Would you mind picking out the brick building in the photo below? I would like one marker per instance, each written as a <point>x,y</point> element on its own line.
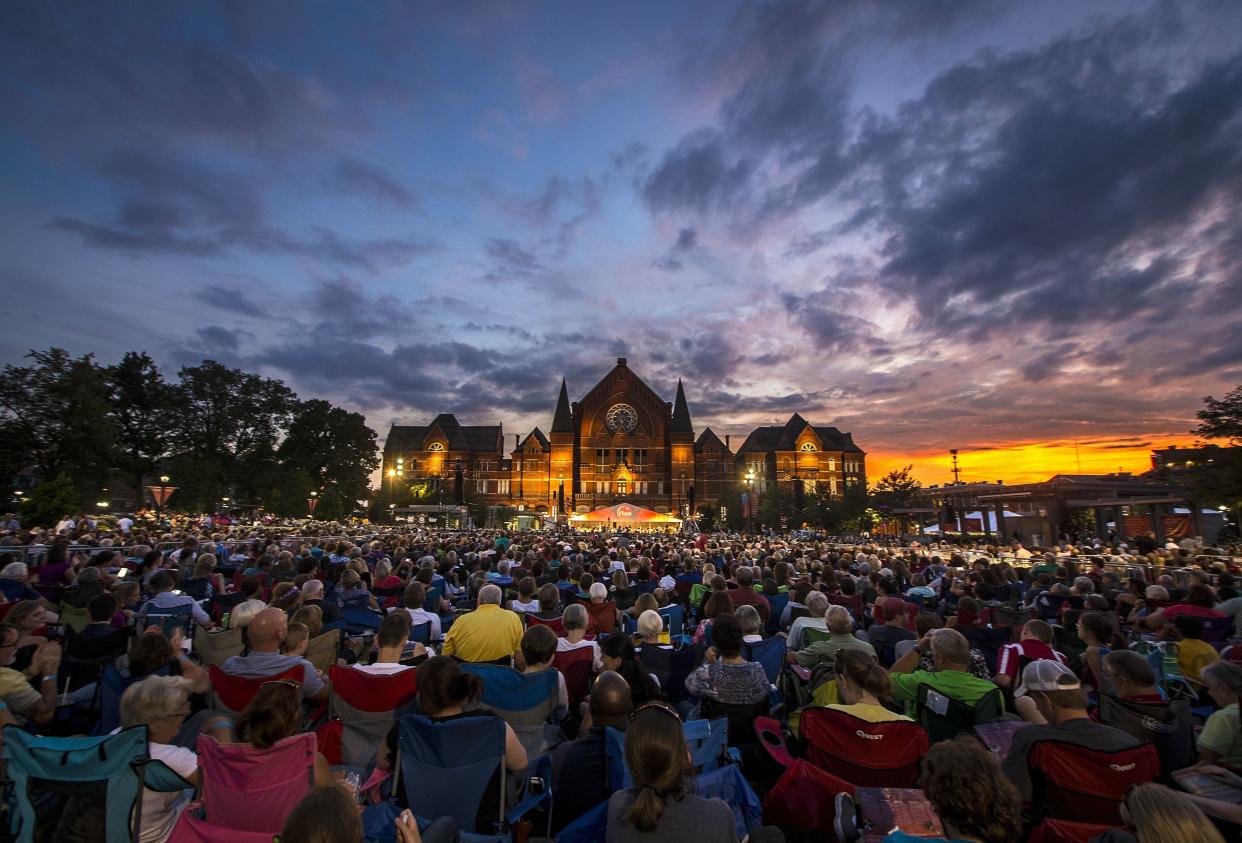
<point>620,442</point>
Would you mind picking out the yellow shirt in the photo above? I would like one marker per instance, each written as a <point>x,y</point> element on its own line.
<point>17,693</point>
<point>1192,656</point>
<point>870,713</point>
<point>484,635</point>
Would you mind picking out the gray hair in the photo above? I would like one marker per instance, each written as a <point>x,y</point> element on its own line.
<point>574,617</point>
<point>817,604</point>
<point>243,613</point>
<point>312,589</point>
<point>1224,673</point>
<point>91,574</point>
<point>650,624</point>
<point>1084,585</point>
<point>950,645</point>
<point>598,589</point>
<point>748,619</point>
<point>382,569</point>
<point>839,620</point>
<point>491,595</point>
<point>153,698</point>
<point>15,571</point>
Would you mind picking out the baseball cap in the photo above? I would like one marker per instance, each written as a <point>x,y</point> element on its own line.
<point>1047,675</point>
<point>894,606</point>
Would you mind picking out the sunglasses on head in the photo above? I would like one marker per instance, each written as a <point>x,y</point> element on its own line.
<point>656,704</point>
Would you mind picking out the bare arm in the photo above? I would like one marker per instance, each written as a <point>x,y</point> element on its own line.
<point>515,753</point>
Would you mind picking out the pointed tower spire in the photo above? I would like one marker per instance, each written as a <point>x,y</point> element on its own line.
<point>681,412</point>
<point>563,421</point>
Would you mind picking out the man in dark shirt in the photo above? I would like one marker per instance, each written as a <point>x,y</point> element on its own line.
<point>884,636</point>
<point>745,594</point>
<point>1053,700</point>
<point>581,765</point>
<point>312,595</point>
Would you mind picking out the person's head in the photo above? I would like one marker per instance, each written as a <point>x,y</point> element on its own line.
<point>1094,628</point>
<point>598,592</point>
<point>394,631</point>
<point>9,636</point>
<point>310,617</point>
<point>149,652</point>
<point>926,622</point>
<point>719,603</point>
<point>610,700</point>
<point>160,703</point>
<point>1037,630</point>
<point>325,815</point>
<point>102,607</point>
<point>1200,595</point>
<point>1054,689</point>
<point>950,649</point>
<point>312,589</point>
<point>574,617</point>
<point>350,580</point>
<point>1130,673</point>
<point>549,597</point>
<point>817,604</point>
<point>1156,592</point>
<point>160,581</point>
<point>15,571</point>
<point>838,620</point>
<point>267,629</point>
<point>895,610</point>
<point>727,636</point>
<point>296,639</point>
<point>490,595</point>
<point>650,625</point>
<point>644,603</point>
<point>443,685</point>
<point>859,675</point>
<point>245,612</point>
<point>127,593</point>
<point>973,798</point>
<point>656,753</point>
<point>1224,682</point>
<point>748,619</point>
<point>274,714</point>
<point>615,650</point>
<point>1160,815</point>
<point>539,647</point>
<point>744,577</point>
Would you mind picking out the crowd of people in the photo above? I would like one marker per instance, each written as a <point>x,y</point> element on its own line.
<point>632,637</point>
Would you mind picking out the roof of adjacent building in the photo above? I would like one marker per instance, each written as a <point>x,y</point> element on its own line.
<point>544,444</point>
<point>460,437</point>
<point>709,437</point>
<point>785,438</point>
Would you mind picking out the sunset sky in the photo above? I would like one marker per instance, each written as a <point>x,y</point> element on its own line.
<point>1007,228</point>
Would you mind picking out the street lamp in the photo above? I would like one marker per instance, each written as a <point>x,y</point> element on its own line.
<point>311,501</point>
<point>161,493</point>
<point>750,497</point>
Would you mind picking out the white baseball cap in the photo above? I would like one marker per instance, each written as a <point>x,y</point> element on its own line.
<point>1047,675</point>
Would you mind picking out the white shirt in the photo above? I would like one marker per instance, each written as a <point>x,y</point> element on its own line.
<point>418,616</point>
<point>160,811</point>
<point>125,524</point>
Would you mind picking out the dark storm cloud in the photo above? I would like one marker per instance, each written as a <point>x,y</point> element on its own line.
<point>231,299</point>
<point>217,337</point>
<point>361,178</point>
<point>826,318</point>
<point>695,176</point>
<point>672,261</point>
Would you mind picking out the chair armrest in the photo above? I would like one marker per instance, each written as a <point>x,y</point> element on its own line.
<point>541,768</point>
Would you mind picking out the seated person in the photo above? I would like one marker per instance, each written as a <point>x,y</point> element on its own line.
<point>1199,603</point>
<point>274,714</point>
<point>816,609</point>
<point>840,637</point>
<point>415,597</point>
<point>924,624</point>
<point>950,653</point>
<point>863,687</point>
<point>884,637</point>
<point>163,600</point>
<point>1220,742</point>
<point>538,654</point>
<point>1193,653</point>
<point>575,622</point>
<point>965,786</point>
<point>725,676</point>
<point>394,648</point>
<point>15,690</point>
<point>351,594</point>
<point>525,601</point>
<point>100,612</point>
<point>1052,698</point>
<point>1131,678</point>
<point>659,806</point>
<point>486,634</point>
<point>1153,813</point>
<point>153,651</point>
<point>297,637</point>
<point>312,595</point>
<point>650,626</point>
<point>752,625</point>
<point>549,602</point>
<point>266,632</point>
<point>1035,642</point>
<point>617,654</point>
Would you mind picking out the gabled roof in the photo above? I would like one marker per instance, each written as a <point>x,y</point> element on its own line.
<point>405,437</point>
<point>681,412</point>
<point>537,434</point>
<point>483,438</point>
<point>708,437</point>
<point>563,420</point>
<point>785,438</point>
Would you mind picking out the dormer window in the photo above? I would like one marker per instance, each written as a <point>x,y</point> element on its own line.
<point>808,446</point>
<point>435,446</point>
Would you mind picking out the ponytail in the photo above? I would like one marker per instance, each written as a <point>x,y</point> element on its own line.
<point>647,809</point>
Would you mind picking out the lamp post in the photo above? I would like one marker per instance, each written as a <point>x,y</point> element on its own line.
<point>392,512</point>
<point>311,501</point>
<point>161,494</point>
<point>750,498</point>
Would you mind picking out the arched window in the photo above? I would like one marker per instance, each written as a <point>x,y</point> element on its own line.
<point>435,446</point>
<point>808,446</point>
<point>832,464</point>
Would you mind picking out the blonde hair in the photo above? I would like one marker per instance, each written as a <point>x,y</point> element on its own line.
<point>153,698</point>
<point>244,612</point>
<point>296,633</point>
<point>1160,815</point>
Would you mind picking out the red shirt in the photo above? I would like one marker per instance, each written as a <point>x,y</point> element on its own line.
<point>1011,655</point>
<point>1189,610</point>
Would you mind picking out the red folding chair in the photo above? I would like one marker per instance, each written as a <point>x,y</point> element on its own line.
<point>603,617</point>
<point>863,753</point>
<point>803,800</point>
<point>557,625</point>
<point>191,829</point>
<point>575,666</point>
<point>1071,782</point>
<point>367,706</point>
<point>250,789</point>
<point>234,693</point>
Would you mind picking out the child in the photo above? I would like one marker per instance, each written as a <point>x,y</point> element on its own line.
<point>296,640</point>
<point>1193,654</point>
<point>538,654</point>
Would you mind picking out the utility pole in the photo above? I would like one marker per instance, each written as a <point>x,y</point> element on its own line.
<point>957,472</point>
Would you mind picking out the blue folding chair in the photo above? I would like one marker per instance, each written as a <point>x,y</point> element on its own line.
<point>116,766</point>
<point>169,620</point>
<point>421,632</point>
<point>445,769</point>
<point>676,619</point>
<point>708,741</point>
<point>112,685</point>
<point>777,604</point>
<point>361,621</point>
<point>526,701</point>
<point>770,653</point>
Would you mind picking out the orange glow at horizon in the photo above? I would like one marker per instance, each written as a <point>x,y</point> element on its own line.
<point>1028,462</point>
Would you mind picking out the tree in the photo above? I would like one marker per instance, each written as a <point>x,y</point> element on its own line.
<point>56,413</point>
<point>228,426</point>
<point>1222,419</point>
<point>330,451</point>
<point>141,407</point>
<point>50,501</point>
<point>896,490</point>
